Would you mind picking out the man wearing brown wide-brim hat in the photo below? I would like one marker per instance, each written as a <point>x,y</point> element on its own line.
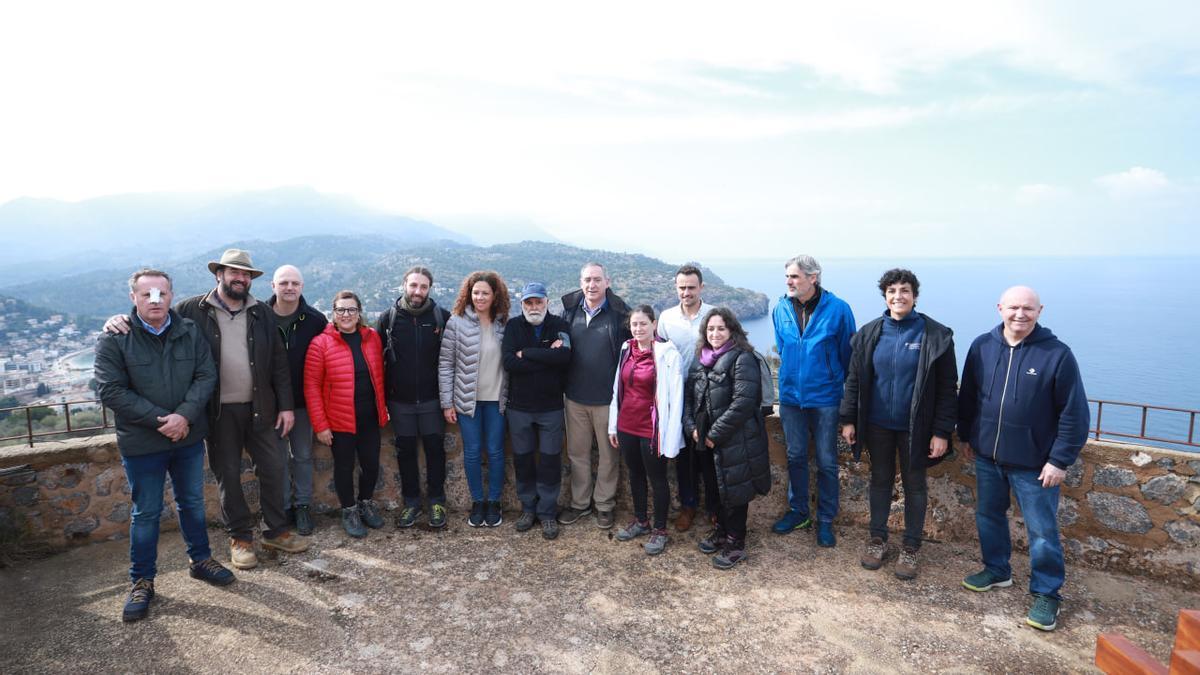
<point>251,408</point>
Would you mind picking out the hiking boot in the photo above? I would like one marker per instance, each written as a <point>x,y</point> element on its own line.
<point>137,603</point>
<point>437,515</point>
<point>352,522</point>
<point>476,517</point>
<point>572,514</point>
<point>825,536</point>
<point>549,529</point>
<point>1044,613</point>
<point>985,581</point>
<point>732,553</point>
<point>211,571</point>
<point>525,522</point>
<point>604,519</point>
<point>369,511</point>
<point>633,530</point>
<point>657,542</point>
<point>872,557</point>
<point>408,517</point>
<point>304,521</point>
<point>493,516</point>
<point>713,542</point>
<point>683,522</point>
<point>286,542</point>
<point>906,566</point>
<point>792,520</point>
<point>241,554</point>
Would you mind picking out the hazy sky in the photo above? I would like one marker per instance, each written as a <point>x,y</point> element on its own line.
<point>850,128</point>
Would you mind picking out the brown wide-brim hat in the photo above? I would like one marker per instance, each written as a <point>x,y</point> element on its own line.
<point>238,259</point>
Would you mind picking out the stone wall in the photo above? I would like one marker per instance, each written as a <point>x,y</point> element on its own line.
<point>1126,507</point>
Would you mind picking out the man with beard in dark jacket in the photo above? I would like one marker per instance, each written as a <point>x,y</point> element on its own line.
<point>412,340</point>
<point>1024,413</point>
<point>298,324</point>
<point>536,351</point>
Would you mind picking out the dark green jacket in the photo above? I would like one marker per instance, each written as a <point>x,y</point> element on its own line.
<point>268,357</point>
<point>141,378</point>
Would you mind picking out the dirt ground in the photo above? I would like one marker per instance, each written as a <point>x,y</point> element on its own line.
<point>467,600</point>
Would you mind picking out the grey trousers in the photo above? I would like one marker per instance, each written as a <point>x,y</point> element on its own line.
<point>234,431</point>
<point>537,442</point>
<point>298,469</point>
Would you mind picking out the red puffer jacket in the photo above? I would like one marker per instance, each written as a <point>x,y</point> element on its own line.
<point>329,379</point>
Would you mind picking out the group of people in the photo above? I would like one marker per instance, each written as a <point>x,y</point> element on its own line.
<point>684,387</point>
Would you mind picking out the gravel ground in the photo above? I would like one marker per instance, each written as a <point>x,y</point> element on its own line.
<point>498,601</point>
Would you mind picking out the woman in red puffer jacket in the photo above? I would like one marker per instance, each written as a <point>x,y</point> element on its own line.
<point>343,389</point>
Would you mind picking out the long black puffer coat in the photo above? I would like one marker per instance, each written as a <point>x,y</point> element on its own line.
<point>723,404</point>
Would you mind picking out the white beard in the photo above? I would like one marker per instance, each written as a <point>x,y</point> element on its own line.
<point>534,319</point>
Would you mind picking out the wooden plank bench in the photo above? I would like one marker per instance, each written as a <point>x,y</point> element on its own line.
<point>1118,655</point>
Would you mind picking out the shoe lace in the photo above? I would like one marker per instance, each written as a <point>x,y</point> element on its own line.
<point>141,590</point>
<point>439,510</point>
<point>211,566</point>
<point>908,557</point>
<point>1043,604</point>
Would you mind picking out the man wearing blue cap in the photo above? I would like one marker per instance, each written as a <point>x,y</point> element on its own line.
<point>536,353</point>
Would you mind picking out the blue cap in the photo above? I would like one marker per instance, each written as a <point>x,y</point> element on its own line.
<point>533,289</point>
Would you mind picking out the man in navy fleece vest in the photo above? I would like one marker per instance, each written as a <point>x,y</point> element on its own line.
<point>1024,413</point>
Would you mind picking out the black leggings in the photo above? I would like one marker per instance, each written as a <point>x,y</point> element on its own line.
<point>730,519</point>
<point>364,444</point>
<point>645,463</point>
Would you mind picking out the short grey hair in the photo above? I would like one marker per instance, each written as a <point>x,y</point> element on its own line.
<point>807,265</point>
<point>593,263</point>
<point>148,272</point>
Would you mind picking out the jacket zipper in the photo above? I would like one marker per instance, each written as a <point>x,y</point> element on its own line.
<point>1003,395</point>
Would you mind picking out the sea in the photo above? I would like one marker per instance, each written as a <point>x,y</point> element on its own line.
<point>1128,320</point>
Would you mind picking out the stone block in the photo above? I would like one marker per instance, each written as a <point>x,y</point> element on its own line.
<point>1166,463</point>
<point>26,495</point>
<point>81,527</point>
<point>105,479</point>
<point>1119,513</point>
<point>1186,532</point>
<point>967,468</point>
<point>322,464</point>
<point>72,504</point>
<point>1113,476</point>
<point>855,487</point>
<point>1068,511</point>
<point>119,513</point>
<point>1164,489</point>
<point>22,478</point>
<point>98,455</point>
<point>210,478</point>
<point>1074,477</point>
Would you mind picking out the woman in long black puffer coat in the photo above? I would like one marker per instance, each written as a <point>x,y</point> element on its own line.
<point>722,413</point>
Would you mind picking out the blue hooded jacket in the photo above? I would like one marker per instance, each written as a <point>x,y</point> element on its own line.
<point>1023,406</point>
<point>812,369</point>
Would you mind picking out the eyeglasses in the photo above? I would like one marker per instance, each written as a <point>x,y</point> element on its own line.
<point>345,311</point>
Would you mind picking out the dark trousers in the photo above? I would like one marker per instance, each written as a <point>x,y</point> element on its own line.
<point>645,463</point>
<point>363,444</point>
<point>730,519</point>
<point>884,446</point>
<point>689,476</point>
<point>410,470</point>
<point>233,431</point>
<point>537,442</point>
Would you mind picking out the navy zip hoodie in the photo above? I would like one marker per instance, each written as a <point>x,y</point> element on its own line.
<point>1023,406</point>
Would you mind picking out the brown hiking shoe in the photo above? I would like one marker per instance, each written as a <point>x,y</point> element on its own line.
<point>872,557</point>
<point>683,522</point>
<point>906,566</point>
<point>286,542</point>
<point>241,554</point>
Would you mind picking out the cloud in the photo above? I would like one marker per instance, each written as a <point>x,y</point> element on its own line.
<point>1136,182</point>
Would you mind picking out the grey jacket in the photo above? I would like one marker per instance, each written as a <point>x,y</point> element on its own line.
<point>458,362</point>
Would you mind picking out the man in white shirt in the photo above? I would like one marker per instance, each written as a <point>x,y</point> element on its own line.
<point>681,326</point>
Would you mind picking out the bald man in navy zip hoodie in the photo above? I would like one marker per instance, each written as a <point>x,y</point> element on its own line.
<point>1024,413</point>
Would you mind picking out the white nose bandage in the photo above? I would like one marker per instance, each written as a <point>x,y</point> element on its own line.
<point>155,296</point>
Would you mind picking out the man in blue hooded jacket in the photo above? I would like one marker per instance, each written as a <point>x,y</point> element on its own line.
<point>1024,413</point>
<point>813,328</point>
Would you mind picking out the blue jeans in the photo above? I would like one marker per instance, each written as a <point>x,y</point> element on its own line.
<point>823,423</point>
<point>1039,506</point>
<point>147,475</point>
<point>486,426</point>
<point>298,466</point>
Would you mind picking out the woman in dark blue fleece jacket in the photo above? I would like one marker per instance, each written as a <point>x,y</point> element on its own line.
<point>900,402</point>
